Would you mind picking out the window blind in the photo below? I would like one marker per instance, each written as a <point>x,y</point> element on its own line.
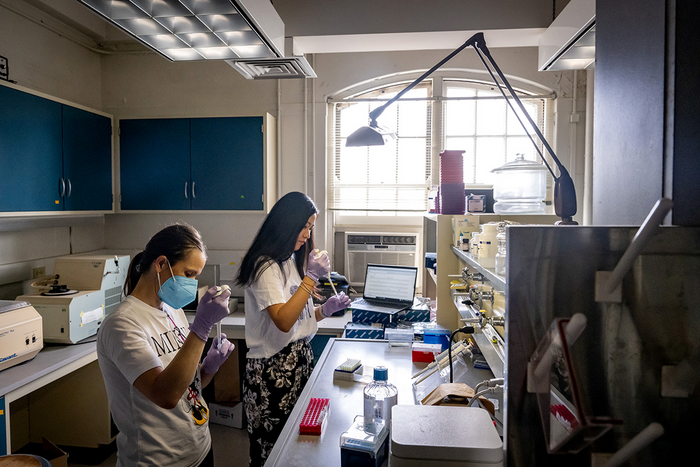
<point>393,177</point>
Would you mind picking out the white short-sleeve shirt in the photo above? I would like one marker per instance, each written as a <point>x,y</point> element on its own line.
<point>134,338</point>
<point>274,287</point>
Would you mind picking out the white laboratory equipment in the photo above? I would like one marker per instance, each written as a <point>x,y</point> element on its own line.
<point>21,335</point>
<point>436,436</point>
<point>86,289</point>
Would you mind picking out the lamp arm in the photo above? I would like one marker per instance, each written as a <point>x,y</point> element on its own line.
<point>480,54</point>
<point>374,114</point>
<point>481,48</point>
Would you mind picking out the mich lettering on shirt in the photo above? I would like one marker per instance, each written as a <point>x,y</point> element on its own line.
<point>169,341</point>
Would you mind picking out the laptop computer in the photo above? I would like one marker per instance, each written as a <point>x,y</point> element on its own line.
<point>388,289</point>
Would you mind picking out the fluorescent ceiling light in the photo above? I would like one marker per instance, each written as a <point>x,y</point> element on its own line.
<point>199,29</point>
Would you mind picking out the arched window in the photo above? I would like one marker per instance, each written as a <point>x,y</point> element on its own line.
<point>455,113</point>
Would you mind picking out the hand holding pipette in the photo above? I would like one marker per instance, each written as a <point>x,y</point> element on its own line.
<point>219,291</point>
<point>335,303</point>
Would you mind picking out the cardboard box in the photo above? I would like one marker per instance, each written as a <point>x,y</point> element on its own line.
<point>464,225</point>
<point>49,451</point>
<point>364,331</point>
<point>226,413</point>
<point>227,381</point>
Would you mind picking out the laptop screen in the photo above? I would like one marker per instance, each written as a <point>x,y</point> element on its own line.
<point>390,282</point>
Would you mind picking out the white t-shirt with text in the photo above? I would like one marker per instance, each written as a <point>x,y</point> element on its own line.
<point>133,339</point>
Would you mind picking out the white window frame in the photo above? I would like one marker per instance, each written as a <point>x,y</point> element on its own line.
<point>525,90</point>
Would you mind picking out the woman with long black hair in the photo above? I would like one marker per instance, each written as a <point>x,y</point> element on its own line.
<point>279,273</point>
<point>149,356</point>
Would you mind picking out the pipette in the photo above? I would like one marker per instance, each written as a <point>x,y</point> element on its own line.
<point>318,255</point>
<point>457,350</point>
<point>219,291</point>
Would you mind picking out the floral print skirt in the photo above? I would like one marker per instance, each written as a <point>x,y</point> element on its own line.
<point>271,388</point>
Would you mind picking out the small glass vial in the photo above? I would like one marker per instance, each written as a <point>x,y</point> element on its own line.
<point>501,254</point>
<point>380,396</point>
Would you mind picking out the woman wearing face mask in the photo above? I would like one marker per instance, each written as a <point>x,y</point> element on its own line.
<point>279,272</point>
<point>150,359</point>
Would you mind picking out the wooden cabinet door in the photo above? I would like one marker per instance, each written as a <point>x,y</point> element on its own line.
<point>155,164</point>
<point>227,163</point>
<point>87,160</point>
<point>30,152</point>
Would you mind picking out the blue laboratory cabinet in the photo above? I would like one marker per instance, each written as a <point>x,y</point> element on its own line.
<point>218,163</point>
<point>53,157</point>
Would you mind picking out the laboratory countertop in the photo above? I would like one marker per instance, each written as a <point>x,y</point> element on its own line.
<point>346,398</point>
<point>234,324</point>
<point>51,362</point>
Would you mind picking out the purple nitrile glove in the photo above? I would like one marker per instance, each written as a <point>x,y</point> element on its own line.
<point>217,355</point>
<point>319,265</point>
<point>335,303</point>
<point>212,308</point>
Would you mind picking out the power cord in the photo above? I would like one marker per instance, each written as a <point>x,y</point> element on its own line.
<point>468,329</point>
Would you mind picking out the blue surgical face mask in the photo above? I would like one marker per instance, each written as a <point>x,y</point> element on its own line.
<point>177,291</point>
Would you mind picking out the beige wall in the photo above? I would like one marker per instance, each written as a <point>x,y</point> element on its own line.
<point>146,85</point>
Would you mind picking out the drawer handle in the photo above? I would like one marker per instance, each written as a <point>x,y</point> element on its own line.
<point>69,188</point>
<point>186,183</point>
<point>193,195</point>
<point>61,188</point>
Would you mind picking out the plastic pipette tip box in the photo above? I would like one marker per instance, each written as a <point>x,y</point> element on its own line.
<point>347,370</point>
<point>314,417</point>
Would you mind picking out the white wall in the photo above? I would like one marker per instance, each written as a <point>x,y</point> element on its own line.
<point>143,85</point>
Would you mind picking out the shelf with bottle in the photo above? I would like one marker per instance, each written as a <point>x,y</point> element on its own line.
<point>497,281</point>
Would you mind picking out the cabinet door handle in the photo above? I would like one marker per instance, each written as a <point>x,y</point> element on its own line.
<point>61,188</point>
<point>186,183</point>
<point>193,195</point>
<point>69,188</point>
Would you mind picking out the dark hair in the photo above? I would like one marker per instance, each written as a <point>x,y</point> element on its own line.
<point>278,236</point>
<point>174,242</point>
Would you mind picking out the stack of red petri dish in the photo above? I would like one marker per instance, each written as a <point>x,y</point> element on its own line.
<point>452,182</point>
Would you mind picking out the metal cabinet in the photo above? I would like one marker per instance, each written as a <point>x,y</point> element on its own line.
<point>53,156</point>
<point>30,152</point>
<point>218,163</point>
<point>87,160</point>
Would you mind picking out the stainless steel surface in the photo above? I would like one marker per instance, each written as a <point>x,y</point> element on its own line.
<point>618,359</point>
<point>498,282</point>
<point>346,399</point>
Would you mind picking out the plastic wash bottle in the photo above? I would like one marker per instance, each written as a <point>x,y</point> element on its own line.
<point>380,396</point>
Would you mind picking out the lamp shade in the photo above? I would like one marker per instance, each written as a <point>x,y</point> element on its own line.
<point>369,136</point>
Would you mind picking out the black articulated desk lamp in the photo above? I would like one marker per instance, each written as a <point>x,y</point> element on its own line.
<point>564,191</point>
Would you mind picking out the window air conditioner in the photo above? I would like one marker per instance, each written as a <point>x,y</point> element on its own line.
<point>400,249</point>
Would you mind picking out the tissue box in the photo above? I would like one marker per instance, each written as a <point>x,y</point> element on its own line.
<point>364,331</point>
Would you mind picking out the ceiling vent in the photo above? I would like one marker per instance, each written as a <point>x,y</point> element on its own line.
<point>274,68</point>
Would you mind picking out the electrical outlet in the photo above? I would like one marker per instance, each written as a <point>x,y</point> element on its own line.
<point>38,272</point>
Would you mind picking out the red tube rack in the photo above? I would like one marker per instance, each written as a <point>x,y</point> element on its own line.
<point>314,417</point>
